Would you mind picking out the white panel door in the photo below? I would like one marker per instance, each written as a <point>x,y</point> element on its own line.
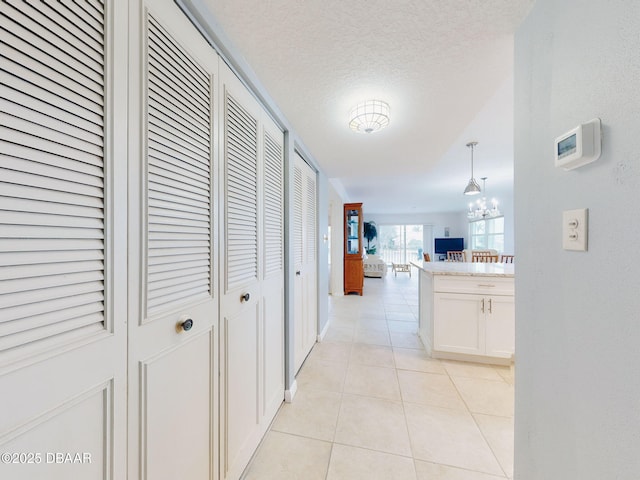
<point>63,160</point>
<point>252,276</point>
<point>305,259</point>
<point>273,268</point>
<point>241,305</point>
<point>172,266</point>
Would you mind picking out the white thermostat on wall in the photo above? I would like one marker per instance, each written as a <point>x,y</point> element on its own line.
<point>579,146</point>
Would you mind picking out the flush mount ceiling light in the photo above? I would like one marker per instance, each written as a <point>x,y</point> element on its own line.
<point>472,187</point>
<point>369,116</point>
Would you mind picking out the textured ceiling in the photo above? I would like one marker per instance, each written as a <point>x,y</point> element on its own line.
<point>444,66</point>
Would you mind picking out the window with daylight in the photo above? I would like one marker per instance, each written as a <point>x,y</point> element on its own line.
<point>487,234</point>
<point>400,243</point>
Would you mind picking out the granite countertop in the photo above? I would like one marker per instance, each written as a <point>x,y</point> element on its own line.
<point>464,268</point>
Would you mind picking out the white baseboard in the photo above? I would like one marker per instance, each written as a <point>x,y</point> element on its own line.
<point>320,336</point>
<point>289,394</point>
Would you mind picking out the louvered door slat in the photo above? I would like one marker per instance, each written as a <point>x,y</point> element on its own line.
<point>18,287</point>
<point>168,78</point>
<point>18,273</point>
<point>241,162</point>
<point>184,63</point>
<point>164,110</point>
<point>26,81</point>
<point>34,206</point>
<point>34,111</point>
<point>38,244</point>
<point>62,26</point>
<point>179,175</point>
<point>68,8</point>
<point>159,180</point>
<point>179,271</point>
<point>52,232</point>
<point>88,9</point>
<point>56,182</point>
<point>33,193</point>
<point>63,74</point>
<point>297,216</point>
<point>72,175</point>
<point>166,153</point>
<point>39,158</point>
<point>162,93</point>
<point>273,205</point>
<point>46,333</point>
<point>14,259</point>
<point>310,211</point>
<point>29,24</point>
<point>18,299</point>
<point>157,271</point>
<point>191,137</point>
<point>170,210</point>
<point>45,308</point>
<point>44,132</point>
<point>176,171</point>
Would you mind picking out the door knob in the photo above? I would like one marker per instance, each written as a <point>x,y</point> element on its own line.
<point>185,325</point>
<point>298,272</point>
<point>245,297</point>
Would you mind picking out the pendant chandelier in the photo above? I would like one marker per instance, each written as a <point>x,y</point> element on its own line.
<point>472,187</point>
<point>369,116</point>
<point>481,209</point>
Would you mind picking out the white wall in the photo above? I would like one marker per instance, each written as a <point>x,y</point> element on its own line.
<point>578,313</point>
<point>336,220</point>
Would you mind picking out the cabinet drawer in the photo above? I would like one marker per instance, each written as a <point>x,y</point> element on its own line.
<point>477,284</point>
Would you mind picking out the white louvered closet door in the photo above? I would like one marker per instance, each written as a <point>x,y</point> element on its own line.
<point>173,298</point>
<point>62,253</point>
<point>252,273</point>
<point>273,270</point>
<point>305,259</point>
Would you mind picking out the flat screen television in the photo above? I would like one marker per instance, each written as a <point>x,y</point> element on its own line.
<point>450,244</point>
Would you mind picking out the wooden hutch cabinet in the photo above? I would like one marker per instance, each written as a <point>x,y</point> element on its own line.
<point>353,267</point>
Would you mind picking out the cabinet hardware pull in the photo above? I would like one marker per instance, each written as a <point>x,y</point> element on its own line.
<point>486,285</point>
<point>482,308</point>
<point>490,306</point>
<point>184,325</point>
<point>245,297</point>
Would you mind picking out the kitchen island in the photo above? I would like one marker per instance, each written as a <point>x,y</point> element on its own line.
<point>467,311</point>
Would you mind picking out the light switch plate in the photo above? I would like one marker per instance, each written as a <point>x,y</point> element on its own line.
<point>575,229</point>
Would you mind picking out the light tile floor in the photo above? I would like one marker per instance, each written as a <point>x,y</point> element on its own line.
<point>372,405</point>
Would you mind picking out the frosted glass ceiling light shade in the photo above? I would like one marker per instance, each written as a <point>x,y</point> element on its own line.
<point>472,187</point>
<point>369,116</point>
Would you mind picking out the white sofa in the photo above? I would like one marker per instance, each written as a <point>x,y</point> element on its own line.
<point>374,266</point>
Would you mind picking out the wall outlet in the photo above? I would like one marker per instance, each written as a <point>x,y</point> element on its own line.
<point>575,229</point>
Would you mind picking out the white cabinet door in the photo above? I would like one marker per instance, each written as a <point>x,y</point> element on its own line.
<point>459,323</point>
<point>173,300</point>
<point>63,160</point>
<point>500,326</point>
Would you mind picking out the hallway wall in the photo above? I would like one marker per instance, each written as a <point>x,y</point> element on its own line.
<point>577,320</point>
